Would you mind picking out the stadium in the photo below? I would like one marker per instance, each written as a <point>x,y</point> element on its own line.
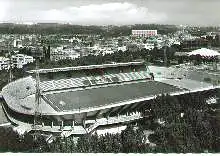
<point>76,100</point>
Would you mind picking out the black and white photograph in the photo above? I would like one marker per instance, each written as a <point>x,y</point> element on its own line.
<point>110,76</point>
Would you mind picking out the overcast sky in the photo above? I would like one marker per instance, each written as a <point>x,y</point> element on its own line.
<point>119,12</point>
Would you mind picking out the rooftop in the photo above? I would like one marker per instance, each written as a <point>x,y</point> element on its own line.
<point>86,67</point>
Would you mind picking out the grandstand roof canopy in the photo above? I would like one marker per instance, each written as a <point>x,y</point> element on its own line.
<point>86,67</point>
<point>204,52</point>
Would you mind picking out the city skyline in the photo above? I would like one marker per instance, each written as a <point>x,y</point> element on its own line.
<point>111,12</point>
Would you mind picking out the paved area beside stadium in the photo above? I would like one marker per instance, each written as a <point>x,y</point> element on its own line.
<point>73,100</point>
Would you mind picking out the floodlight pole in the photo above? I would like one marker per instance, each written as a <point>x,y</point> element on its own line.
<point>10,63</point>
<point>37,95</point>
<point>165,53</point>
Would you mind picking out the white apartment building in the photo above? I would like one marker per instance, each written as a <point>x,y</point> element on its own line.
<point>19,60</point>
<point>123,48</point>
<point>17,43</point>
<point>4,63</point>
<point>62,54</point>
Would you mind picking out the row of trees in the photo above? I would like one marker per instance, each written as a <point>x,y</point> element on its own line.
<point>12,142</point>
<point>107,31</point>
<point>190,125</point>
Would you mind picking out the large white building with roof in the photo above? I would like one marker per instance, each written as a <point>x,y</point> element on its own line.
<point>144,33</point>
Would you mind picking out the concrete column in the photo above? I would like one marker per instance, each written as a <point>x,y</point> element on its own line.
<point>84,123</point>
<point>214,66</point>
<point>62,124</point>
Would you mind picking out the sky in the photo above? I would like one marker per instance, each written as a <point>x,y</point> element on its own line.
<point>112,12</point>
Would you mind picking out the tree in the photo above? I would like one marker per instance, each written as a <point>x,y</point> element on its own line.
<point>128,139</point>
<point>187,125</point>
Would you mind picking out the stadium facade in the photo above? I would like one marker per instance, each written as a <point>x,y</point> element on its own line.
<point>76,100</point>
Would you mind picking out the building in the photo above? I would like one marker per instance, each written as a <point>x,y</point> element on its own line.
<point>123,48</point>
<point>192,44</point>
<point>144,33</point>
<point>132,47</point>
<point>19,60</point>
<point>4,63</point>
<point>17,43</point>
<point>37,52</point>
<point>61,53</point>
